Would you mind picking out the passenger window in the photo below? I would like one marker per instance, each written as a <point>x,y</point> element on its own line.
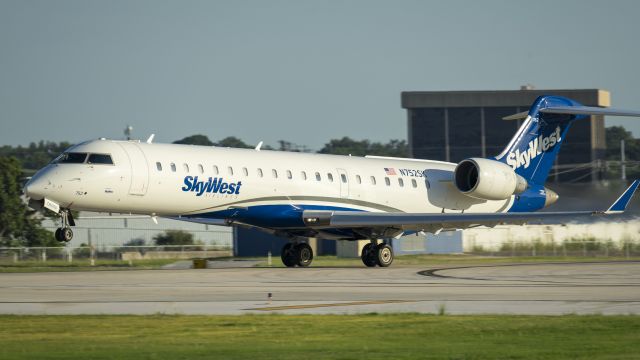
<point>230,169</point>
<point>274,172</point>
<point>215,170</point>
<point>245,171</point>
<point>344,178</point>
<point>200,168</point>
<point>373,180</point>
<point>387,181</point>
<point>289,174</point>
<point>159,166</point>
<point>330,177</point>
<point>186,167</point>
<point>318,176</point>
<point>304,175</point>
<point>414,183</point>
<point>400,182</point>
<point>358,179</point>
<point>71,158</point>
<point>260,172</point>
<point>100,159</point>
<point>173,167</point>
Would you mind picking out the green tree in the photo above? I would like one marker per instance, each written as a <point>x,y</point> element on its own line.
<point>195,140</point>
<point>346,146</point>
<point>19,226</point>
<point>233,142</point>
<point>174,237</point>
<point>35,156</point>
<point>614,135</point>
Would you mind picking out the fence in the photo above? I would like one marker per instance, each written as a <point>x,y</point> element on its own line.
<point>116,253</point>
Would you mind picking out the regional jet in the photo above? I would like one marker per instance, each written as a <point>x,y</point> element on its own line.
<point>303,195</point>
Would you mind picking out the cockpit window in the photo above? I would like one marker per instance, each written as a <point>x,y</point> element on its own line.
<point>100,159</point>
<point>71,158</point>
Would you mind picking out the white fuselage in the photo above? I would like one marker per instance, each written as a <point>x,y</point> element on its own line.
<point>160,179</point>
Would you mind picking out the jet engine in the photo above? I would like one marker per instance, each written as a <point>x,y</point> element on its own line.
<point>488,179</point>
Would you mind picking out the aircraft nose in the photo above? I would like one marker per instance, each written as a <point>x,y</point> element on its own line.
<point>36,187</point>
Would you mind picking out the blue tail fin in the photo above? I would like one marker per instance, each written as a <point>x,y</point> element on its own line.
<point>533,149</point>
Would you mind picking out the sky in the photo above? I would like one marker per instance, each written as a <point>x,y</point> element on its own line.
<point>300,71</point>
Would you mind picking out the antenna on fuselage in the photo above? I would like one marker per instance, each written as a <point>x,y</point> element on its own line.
<point>150,139</point>
<point>259,146</point>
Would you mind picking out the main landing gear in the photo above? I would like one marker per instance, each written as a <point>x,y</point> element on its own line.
<point>377,254</point>
<point>64,233</point>
<point>299,254</point>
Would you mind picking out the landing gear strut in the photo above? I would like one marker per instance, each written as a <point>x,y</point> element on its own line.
<point>377,254</point>
<point>64,233</point>
<point>297,254</point>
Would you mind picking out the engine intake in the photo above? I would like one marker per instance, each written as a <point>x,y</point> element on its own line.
<point>488,179</point>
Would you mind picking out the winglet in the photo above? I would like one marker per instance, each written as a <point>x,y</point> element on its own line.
<point>621,204</point>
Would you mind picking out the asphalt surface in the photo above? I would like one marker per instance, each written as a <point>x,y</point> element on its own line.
<point>539,289</point>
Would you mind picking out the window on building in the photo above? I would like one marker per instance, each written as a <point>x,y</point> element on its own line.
<point>318,176</point>
<point>373,180</point>
<point>245,171</point>
<point>173,167</point>
<point>303,175</point>
<point>200,168</point>
<point>387,181</point>
<point>159,166</point>
<point>414,183</point>
<point>289,174</point>
<point>400,182</point>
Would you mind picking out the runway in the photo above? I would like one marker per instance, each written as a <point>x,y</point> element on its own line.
<point>537,289</point>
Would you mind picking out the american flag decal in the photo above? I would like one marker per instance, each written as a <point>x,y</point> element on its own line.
<point>390,171</point>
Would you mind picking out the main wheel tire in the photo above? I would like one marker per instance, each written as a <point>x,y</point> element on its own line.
<point>289,255</point>
<point>66,234</point>
<point>58,235</point>
<point>368,257</point>
<point>305,254</point>
<point>384,255</point>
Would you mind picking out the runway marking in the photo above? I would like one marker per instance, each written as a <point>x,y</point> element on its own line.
<point>313,306</point>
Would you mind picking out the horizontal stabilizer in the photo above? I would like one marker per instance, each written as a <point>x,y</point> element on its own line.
<point>621,204</point>
<point>588,110</point>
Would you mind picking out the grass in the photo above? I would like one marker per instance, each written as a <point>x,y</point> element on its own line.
<point>81,265</point>
<point>373,336</point>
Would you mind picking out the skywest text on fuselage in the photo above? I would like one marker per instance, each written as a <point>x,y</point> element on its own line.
<point>213,185</point>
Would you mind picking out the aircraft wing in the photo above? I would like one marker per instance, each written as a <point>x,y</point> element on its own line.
<point>435,222</point>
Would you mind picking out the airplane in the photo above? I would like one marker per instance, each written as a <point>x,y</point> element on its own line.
<point>302,195</point>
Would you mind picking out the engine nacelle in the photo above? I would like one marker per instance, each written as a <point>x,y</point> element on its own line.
<point>488,179</point>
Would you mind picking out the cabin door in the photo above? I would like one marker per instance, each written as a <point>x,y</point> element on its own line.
<point>139,168</point>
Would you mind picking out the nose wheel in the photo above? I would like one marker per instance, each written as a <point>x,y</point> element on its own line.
<point>64,233</point>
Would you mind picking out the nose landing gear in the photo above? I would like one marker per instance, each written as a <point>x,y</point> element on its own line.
<point>64,233</point>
